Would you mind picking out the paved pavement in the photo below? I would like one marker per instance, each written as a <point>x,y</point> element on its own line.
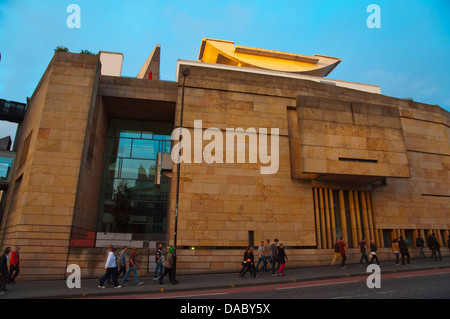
<point>58,289</point>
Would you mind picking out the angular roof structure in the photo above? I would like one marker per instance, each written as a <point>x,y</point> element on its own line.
<point>225,52</point>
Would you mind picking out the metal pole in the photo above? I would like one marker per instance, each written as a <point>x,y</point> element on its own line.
<point>174,270</point>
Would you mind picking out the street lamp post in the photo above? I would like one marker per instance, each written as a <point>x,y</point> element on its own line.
<point>186,71</point>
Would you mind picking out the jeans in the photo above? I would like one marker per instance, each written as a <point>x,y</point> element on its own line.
<point>344,258</point>
<point>158,269</point>
<point>421,254</point>
<point>364,257</point>
<point>267,258</point>
<point>263,267</point>
<point>131,269</point>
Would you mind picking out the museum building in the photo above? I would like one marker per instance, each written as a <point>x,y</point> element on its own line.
<point>95,163</point>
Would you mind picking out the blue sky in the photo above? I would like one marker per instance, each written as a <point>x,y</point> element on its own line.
<point>407,57</point>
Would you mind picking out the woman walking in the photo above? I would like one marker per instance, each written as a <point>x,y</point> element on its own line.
<point>396,251</point>
<point>282,260</point>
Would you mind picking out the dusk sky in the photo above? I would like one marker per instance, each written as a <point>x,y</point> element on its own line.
<point>407,56</point>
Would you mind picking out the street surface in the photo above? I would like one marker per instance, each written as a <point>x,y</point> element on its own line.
<point>428,284</point>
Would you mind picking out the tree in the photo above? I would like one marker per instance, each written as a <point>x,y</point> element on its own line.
<point>121,214</point>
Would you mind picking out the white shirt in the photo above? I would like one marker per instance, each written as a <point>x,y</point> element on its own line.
<point>111,261</point>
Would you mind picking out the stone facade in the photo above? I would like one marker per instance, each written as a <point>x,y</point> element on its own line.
<point>401,186</point>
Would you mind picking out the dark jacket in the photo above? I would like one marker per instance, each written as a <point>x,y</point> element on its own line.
<point>403,247</point>
<point>4,265</point>
<point>281,255</point>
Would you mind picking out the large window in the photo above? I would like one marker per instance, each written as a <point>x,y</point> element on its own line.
<point>131,151</point>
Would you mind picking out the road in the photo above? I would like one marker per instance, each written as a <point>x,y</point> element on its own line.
<point>411,285</point>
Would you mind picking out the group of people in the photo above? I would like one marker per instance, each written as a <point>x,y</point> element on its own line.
<point>116,265</point>
<point>9,275</point>
<point>433,244</point>
<point>267,253</point>
<point>399,247</point>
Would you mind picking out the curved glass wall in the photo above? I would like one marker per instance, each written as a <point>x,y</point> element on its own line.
<point>130,156</point>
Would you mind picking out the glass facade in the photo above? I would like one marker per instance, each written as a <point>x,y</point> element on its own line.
<point>5,167</point>
<point>131,151</point>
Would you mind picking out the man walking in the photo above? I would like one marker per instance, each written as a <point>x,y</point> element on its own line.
<point>435,247</point>
<point>159,268</point>
<point>363,251</point>
<point>275,262</point>
<point>111,269</point>
<point>123,262</point>
<point>403,246</point>
<point>420,243</point>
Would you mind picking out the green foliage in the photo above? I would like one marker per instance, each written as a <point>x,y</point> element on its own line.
<point>121,215</point>
<point>61,48</point>
<point>87,52</point>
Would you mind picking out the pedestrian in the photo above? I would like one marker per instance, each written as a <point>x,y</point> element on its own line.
<point>168,267</point>
<point>4,270</point>
<point>431,246</point>
<point>282,260</point>
<point>436,247</point>
<point>122,261</point>
<point>250,263</point>
<point>373,252</point>
<point>337,254</point>
<point>420,243</point>
<point>403,246</point>
<point>267,254</point>
<point>275,262</point>
<point>14,263</point>
<point>244,261</point>
<point>111,269</point>
<point>396,250</point>
<point>132,267</point>
<point>448,242</point>
<point>343,252</point>
<point>159,263</point>
<point>363,251</point>
<point>260,257</point>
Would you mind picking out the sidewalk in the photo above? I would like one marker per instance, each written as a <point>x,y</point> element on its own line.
<point>58,288</point>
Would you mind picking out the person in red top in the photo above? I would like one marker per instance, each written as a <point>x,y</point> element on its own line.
<point>342,251</point>
<point>14,262</point>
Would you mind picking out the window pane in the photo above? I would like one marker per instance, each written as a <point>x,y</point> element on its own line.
<point>145,149</point>
<point>118,147</point>
<point>112,168</point>
<point>137,169</point>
